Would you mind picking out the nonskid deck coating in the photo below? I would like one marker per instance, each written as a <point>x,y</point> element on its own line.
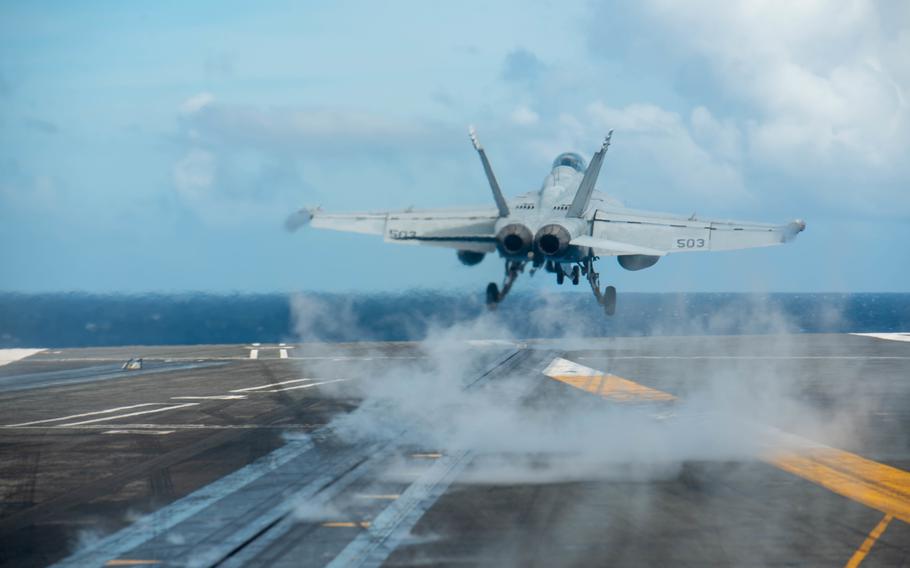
<point>67,485</point>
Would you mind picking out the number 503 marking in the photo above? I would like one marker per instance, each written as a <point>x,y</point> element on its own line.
<point>690,243</point>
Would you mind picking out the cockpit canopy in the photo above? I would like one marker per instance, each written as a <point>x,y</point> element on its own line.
<point>570,159</point>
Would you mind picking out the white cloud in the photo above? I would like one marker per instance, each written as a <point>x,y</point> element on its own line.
<point>680,164</point>
<point>196,103</point>
<point>194,174</point>
<point>824,77</point>
<point>524,116</point>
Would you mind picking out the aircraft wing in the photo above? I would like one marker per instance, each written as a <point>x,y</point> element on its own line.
<point>625,231</point>
<point>462,229</point>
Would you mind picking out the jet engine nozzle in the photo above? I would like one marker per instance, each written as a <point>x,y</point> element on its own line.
<point>514,239</point>
<point>553,240</point>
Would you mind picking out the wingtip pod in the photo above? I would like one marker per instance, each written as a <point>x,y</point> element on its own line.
<point>298,219</point>
<point>472,133</point>
<point>794,228</point>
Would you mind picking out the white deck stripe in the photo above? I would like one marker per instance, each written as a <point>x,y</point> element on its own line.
<point>166,518</point>
<point>116,416</point>
<point>311,385</point>
<point>283,353</point>
<point>9,355</point>
<point>141,432</point>
<point>213,397</point>
<point>888,336</point>
<point>70,417</point>
<point>254,353</point>
<point>271,385</point>
<point>373,546</point>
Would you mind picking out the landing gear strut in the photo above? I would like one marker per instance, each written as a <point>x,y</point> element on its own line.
<point>607,299</point>
<point>494,295</point>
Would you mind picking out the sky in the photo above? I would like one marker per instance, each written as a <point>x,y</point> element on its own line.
<point>160,146</point>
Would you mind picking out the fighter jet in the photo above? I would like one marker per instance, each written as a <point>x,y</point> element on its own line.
<point>563,228</point>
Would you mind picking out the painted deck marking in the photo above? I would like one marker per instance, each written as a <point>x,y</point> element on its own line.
<point>254,353</point>
<point>141,432</point>
<point>283,353</point>
<point>867,544</point>
<point>117,416</point>
<point>84,414</point>
<point>373,546</point>
<point>888,336</point>
<point>347,524</point>
<point>166,518</point>
<point>272,385</point>
<point>878,486</point>
<point>873,484</point>
<point>308,386</point>
<point>604,385</point>
<point>389,496</point>
<point>212,397</point>
<point>7,356</point>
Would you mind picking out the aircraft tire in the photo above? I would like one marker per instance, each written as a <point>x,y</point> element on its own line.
<point>575,275</point>
<point>492,294</point>
<point>560,277</point>
<point>610,300</point>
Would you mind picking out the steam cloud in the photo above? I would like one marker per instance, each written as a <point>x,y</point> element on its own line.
<point>523,428</point>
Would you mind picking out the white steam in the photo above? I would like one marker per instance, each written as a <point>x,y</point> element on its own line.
<point>526,428</point>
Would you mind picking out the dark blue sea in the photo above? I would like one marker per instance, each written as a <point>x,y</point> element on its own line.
<point>78,319</point>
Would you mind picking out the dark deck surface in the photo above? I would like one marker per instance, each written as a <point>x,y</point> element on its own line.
<point>456,453</point>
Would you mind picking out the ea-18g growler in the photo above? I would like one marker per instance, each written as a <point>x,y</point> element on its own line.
<point>564,227</point>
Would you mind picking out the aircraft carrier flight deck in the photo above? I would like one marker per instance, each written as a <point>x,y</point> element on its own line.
<point>653,451</point>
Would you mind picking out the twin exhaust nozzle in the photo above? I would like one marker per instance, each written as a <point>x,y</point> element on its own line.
<point>516,240</point>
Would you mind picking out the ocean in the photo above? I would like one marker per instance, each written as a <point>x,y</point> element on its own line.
<point>82,320</point>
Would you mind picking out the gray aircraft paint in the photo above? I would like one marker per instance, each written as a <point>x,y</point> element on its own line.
<point>570,225</point>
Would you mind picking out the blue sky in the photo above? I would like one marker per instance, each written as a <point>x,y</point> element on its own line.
<point>160,147</point>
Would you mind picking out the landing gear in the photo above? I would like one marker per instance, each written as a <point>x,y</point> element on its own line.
<point>494,295</point>
<point>575,275</point>
<point>607,299</point>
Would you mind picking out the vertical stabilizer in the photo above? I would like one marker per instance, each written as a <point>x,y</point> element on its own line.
<point>494,185</point>
<point>586,187</point>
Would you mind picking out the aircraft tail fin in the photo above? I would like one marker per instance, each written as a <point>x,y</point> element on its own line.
<point>494,185</point>
<point>586,187</point>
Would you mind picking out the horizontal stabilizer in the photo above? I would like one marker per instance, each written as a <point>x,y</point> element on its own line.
<point>614,247</point>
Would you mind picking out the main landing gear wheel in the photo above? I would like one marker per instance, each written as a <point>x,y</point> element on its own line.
<point>575,275</point>
<point>609,300</point>
<point>492,295</point>
<point>560,276</point>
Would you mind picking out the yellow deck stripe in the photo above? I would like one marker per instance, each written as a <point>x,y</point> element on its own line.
<point>867,545</point>
<point>131,562</point>
<point>873,484</point>
<point>614,388</point>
